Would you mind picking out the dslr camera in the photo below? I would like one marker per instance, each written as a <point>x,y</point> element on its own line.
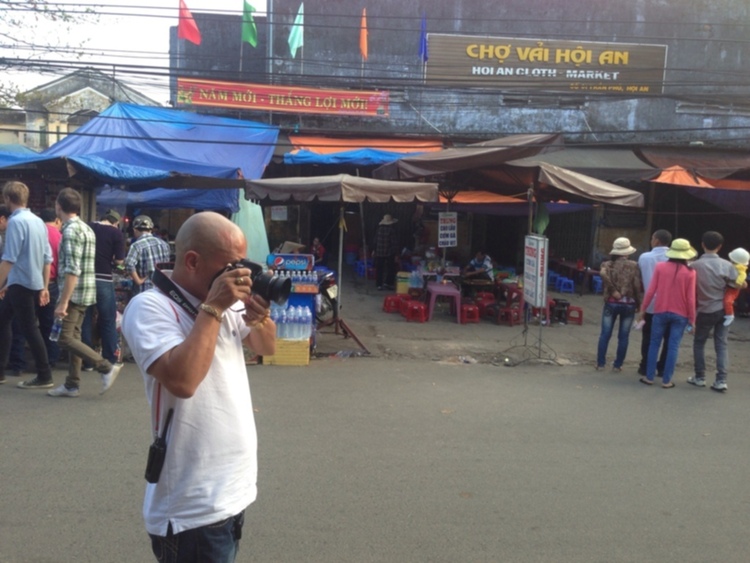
<point>269,286</point>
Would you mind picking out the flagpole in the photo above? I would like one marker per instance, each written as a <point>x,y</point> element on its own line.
<point>242,46</point>
<point>269,20</point>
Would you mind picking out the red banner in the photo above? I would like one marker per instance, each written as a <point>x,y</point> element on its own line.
<point>261,97</point>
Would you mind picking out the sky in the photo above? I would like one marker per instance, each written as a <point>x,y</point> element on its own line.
<point>126,32</point>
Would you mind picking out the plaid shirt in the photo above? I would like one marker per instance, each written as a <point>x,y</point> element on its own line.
<point>385,241</point>
<point>144,254</point>
<point>76,257</point>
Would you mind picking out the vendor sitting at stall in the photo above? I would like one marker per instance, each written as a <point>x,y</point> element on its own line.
<point>480,268</point>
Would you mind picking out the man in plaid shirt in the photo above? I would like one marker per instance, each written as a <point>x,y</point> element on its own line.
<point>145,253</point>
<point>75,274</point>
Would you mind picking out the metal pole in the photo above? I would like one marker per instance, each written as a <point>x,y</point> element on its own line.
<point>269,19</point>
<point>341,254</point>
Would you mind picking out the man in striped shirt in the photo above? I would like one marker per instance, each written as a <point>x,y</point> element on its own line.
<point>77,291</point>
<point>145,253</point>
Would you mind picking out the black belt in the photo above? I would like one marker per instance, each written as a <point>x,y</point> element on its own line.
<point>103,277</point>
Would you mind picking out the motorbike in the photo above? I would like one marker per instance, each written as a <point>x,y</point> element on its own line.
<point>326,310</point>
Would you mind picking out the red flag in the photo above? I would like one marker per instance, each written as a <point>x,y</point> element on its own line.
<point>187,28</point>
<point>363,35</point>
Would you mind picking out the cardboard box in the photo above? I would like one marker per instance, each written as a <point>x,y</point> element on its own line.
<point>289,353</point>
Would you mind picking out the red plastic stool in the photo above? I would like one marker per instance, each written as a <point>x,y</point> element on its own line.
<point>485,302</point>
<point>466,301</point>
<point>484,296</point>
<point>392,304</point>
<point>416,311</point>
<point>404,305</point>
<point>575,315</point>
<point>469,313</point>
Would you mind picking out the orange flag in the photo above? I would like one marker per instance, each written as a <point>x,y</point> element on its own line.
<point>187,28</point>
<point>363,35</point>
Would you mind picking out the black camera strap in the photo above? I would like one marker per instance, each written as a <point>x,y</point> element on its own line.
<point>168,288</point>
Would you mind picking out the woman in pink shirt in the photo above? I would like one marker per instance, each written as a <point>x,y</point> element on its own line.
<point>672,289</point>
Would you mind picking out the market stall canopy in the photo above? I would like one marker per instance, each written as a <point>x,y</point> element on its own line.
<point>478,155</point>
<point>355,151</point>
<point>490,203</point>
<point>161,198</point>
<point>611,164</point>
<point>167,134</point>
<point>339,187</point>
<point>142,148</point>
<point>678,176</point>
<point>552,182</point>
<point>707,162</point>
<point>727,194</point>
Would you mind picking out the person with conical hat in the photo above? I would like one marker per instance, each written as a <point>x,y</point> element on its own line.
<point>386,253</point>
<point>672,289</point>
<point>622,291</point>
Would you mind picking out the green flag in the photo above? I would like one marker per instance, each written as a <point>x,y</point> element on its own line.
<point>249,31</point>
<point>297,34</point>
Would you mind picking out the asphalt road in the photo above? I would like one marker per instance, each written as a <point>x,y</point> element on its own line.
<point>373,460</point>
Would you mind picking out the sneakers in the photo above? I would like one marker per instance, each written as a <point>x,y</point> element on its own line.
<point>109,378</point>
<point>63,391</point>
<point>720,386</point>
<point>697,381</point>
<point>87,368</point>
<point>35,383</point>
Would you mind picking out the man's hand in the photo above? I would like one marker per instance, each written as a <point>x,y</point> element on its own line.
<point>43,297</point>
<point>230,287</point>
<point>61,311</point>
<point>256,311</point>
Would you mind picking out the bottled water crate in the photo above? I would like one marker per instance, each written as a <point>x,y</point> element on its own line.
<point>289,353</point>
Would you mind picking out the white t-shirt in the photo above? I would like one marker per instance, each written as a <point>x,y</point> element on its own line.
<point>211,467</point>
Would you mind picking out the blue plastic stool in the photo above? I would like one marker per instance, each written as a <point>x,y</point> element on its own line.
<point>552,278</point>
<point>596,281</point>
<point>567,286</point>
<point>361,265</point>
<point>559,281</point>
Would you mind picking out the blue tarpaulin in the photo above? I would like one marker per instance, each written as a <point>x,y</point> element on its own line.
<point>133,146</point>
<point>359,157</point>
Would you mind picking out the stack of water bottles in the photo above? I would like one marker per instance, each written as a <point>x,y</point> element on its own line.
<point>292,323</point>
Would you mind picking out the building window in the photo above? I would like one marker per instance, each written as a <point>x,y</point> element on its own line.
<point>43,137</point>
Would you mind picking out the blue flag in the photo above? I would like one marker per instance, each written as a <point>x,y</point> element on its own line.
<point>423,54</point>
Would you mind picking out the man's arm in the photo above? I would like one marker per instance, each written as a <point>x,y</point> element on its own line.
<point>5,267</point>
<point>44,294</point>
<point>262,337</point>
<point>71,280</point>
<point>183,368</point>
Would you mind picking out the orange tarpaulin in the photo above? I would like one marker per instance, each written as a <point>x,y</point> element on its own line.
<point>479,196</point>
<point>330,145</point>
<point>678,176</point>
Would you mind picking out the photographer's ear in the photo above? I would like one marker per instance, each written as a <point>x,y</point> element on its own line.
<point>191,260</point>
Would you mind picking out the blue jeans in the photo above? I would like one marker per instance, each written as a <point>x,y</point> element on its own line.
<point>215,543</point>
<point>663,322</point>
<point>611,311</point>
<point>704,323</point>
<point>106,308</point>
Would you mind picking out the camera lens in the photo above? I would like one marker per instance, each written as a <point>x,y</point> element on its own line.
<point>272,288</point>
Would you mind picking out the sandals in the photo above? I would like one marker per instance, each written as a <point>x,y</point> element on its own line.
<point>645,381</point>
<point>669,385</point>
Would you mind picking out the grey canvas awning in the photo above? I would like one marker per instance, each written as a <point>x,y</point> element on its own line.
<point>339,187</point>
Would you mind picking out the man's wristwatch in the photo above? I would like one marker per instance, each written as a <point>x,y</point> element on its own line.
<point>213,311</point>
